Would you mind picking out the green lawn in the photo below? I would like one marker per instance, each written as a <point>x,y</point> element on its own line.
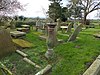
<point>71,58</point>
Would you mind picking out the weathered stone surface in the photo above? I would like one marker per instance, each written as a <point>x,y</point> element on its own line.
<point>38,24</point>
<point>97,35</point>
<point>23,29</point>
<point>63,28</point>
<point>94,69</point>
<point>69,28</point>
<point>31,62</point>
<point>49,53</point>
<point>45,71</point>
<point>75,33</point>
<point>75,25</point>
<point>51,39</point>
<point>21,53</point>
<point>60,40</point>
<point>58,24</point>
<point>16,34</point>
<point>4,70</point>
<point>25,26</point>
<point>6,44</point>
<point>22,43</point>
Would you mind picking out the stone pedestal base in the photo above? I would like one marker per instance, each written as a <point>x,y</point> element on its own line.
<point>49,53</point>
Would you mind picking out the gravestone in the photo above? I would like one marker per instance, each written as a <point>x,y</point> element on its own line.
<point>75,33</point>
<point>69,28</point>
<point>6,44</point>
<point>12,24</point>
<point>75,25</point>
<point>38,24</point>
<point>51,40</point>
<point>58,24</point>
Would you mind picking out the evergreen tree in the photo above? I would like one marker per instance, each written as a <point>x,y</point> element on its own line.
<point>54,9</point>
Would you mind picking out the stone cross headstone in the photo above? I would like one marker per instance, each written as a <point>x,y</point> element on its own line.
<point>6,44</point>
<point>75,33</point>
<point>51,40</point>
<point>69,28</point>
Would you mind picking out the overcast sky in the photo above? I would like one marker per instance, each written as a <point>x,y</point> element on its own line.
<point>36,8</point>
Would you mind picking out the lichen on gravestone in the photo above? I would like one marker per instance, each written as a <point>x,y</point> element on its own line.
<point>75,33</point>
<point>6,44</point>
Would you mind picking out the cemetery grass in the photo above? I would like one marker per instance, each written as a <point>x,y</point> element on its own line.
<point>71,58</point>
<point>75,57</point>
<point>19,67</point>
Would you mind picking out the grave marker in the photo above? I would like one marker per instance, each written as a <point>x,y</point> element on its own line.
<point>6,44</point>
<point>75,33</point>
<point>38,24</point>
<point>58,24</point>
<point>51,40</point>
<point>69,28</point>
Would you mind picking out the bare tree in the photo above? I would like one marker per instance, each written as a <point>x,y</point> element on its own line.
<point>9,7</point>
<point>89,6</point>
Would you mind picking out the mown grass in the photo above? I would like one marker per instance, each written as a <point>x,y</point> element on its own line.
<point>72,58</point>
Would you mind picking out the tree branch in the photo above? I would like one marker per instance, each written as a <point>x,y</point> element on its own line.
<point>82,3</point>
<point>93,10</point>
<point>96,6</point>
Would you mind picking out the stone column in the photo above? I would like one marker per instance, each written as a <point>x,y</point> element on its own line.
<point>51,40</point>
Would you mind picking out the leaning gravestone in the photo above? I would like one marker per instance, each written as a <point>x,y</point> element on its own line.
<point>69,28</point>
<point>75,33</point>
<point>75,25</point>
<point>6,44</point>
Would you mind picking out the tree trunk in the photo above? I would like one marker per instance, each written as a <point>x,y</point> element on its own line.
<point>84,18</point>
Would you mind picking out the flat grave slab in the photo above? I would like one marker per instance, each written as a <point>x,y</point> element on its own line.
<point>22,43</point>
<point>16,34</point>
<point>63,28</point>
<point>23,29</point>
<point>25,26</point>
